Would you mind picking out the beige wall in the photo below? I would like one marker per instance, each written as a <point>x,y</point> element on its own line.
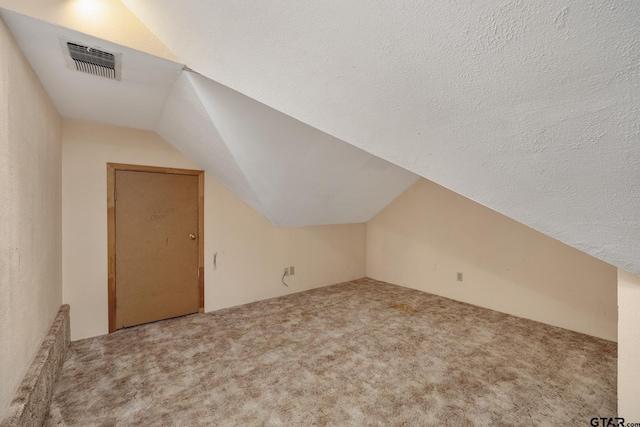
<point>628,346</point>
<point>429,234</point>
<point>30,215</point>
<point>106,19</point>
<point>251,252</point>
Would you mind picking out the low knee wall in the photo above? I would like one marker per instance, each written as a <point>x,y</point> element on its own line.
<point>31,403</point>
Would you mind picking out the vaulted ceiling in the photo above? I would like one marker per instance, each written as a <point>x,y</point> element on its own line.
<point>290,172</point>
<point>531,108</point>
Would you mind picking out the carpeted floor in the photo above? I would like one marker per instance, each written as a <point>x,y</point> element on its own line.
<point>357,353</point>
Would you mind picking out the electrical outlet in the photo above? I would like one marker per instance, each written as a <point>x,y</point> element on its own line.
<point>286,271</point>
<point>459,276</point>
<point>292,270</point>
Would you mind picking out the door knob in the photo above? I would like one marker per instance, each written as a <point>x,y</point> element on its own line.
<point>192,236</point>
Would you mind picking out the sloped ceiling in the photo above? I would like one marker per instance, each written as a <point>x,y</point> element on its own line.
<point>136,101</point>
<point>105,19</point>
<point>293,174</point>
<point>531,108</point>
<point>290,172</point>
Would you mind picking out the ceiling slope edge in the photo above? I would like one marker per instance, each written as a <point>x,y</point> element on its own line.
<point>303,175</point>
<point>186,125</point>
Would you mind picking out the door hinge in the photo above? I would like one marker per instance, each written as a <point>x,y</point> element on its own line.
<point>115,303</point>
<point>115,195</point>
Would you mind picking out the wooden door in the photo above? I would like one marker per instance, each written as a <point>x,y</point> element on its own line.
<point>156,246</point>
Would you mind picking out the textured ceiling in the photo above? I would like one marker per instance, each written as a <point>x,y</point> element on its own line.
<point>531,108</point>
<point>290,172</point>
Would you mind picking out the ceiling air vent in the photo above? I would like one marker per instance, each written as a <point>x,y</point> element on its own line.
<point>92,60</point>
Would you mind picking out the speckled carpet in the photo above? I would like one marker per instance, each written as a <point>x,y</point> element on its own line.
<point>357,353</point>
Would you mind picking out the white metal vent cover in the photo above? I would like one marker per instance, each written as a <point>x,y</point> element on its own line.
<point>92,60</point>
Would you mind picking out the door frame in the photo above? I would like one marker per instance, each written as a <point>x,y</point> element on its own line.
<point>111,229</point>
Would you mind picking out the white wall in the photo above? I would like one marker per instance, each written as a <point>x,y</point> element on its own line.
<point>628,346</point>
<point>30,215</point>
<point>429,233</point>
<point>251,252</point>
